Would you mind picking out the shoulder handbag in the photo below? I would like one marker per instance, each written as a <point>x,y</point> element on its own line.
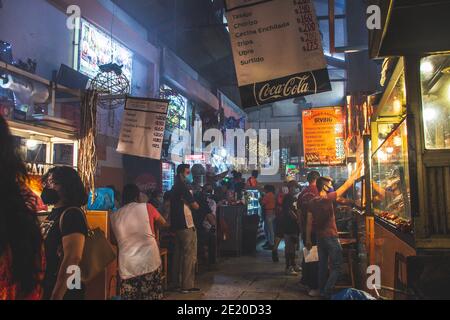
<point>97,254</point>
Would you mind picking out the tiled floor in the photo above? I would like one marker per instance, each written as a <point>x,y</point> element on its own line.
<point>246,278</point>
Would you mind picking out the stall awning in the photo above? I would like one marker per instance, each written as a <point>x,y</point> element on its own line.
<point>52,133</point>
<point>411,27</point>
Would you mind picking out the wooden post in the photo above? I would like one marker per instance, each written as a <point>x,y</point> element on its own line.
<point>331,25</point>
<point>370,219</point>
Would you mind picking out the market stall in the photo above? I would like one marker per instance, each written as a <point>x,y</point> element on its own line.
<point>44,118</point>
<point>410,158</point>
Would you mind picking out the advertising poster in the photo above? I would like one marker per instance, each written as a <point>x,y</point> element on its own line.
<point>97,48</point>
<point>277,56</point>
<point>324,137</point>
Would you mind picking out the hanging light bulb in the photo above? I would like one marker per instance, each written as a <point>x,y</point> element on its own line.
<point>397,106</point>
<point>32,144</point>
<point>430,114</point>
<point>426,67</point>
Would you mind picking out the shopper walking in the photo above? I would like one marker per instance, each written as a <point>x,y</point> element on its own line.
<point>21,260</point>
<point>65,231</point>
<point>289,220</point>
<point>185,256</point>
<point>134,230</point>
<point>268,203</point>
<point>278,225</point>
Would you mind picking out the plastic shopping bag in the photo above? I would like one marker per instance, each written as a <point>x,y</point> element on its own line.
<point>104,200</point>
<point>311,255</point>
<point>352,294</point>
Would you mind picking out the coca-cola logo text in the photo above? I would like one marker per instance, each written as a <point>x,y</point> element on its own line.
<point>295,86</point>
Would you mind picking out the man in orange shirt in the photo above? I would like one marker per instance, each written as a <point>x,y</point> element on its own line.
<point>269,203</point>
<point>252,182</point>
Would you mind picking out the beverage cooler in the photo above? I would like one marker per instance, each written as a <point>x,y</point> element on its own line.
<point>254,208</point>
<point>167,176</point>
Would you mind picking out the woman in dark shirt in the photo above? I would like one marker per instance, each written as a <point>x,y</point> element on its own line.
<point>65,231</point>
<point>291,230</point>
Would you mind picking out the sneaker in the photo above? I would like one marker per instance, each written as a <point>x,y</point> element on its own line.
<point>314,293</point>
<point>275,256</point>
<point>297,268</point>
<point>291,272</point>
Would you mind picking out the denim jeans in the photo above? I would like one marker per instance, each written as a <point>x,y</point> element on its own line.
<point>270,231</point>
<point>291,243</point>
<point>330,251</point>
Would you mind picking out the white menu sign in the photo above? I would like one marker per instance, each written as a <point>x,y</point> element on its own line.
<point>143,125</point>
<point>277,49</point>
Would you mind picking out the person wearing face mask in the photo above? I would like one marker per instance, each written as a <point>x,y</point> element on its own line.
<point>321,213</point>
<point>182,203</point>
<point>65,231</point>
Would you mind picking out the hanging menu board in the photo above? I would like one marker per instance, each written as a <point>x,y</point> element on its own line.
<point>277,50</point>
<point>324,137</point>
<point>144,122</point>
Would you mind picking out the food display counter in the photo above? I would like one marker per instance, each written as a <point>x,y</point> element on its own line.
<point>392,239</point>
<point>418,94</point>
<point>229,229</point>
<point>391,183</point>
<point>239,224</point>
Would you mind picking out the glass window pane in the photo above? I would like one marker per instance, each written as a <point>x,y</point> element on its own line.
<point>63,154</point>
<point>391,198</point>
<point>435,78</point>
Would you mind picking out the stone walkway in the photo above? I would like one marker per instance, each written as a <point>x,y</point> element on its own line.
<point>246,278</point>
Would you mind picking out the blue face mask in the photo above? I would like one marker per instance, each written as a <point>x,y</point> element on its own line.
<point>189,179</point>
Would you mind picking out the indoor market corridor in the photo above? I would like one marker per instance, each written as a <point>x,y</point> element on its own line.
<point>246,278</point>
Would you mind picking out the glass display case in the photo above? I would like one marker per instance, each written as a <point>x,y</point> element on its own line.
<point>252,200</point>
<point>252,197</point>
<point>391,185</point>
<point>435,82</point>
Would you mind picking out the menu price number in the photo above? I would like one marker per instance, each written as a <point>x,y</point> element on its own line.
<point>306,25</point>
